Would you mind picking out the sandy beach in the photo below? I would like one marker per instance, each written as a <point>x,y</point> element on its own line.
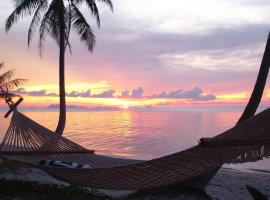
<point>227,184</point>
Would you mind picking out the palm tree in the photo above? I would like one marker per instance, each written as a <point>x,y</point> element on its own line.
<point>55,18</point>
<point>258,89</point>
<point>251,107</point>
<point>7,83</point>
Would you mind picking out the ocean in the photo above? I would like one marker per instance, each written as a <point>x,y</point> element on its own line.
<point>142,134</point>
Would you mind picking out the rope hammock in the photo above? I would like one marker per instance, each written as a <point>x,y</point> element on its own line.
<point>26,143</point>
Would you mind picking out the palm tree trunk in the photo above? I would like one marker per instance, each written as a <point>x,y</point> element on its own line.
<point>62,116</point>
<point>257,93</point>
<point>249,111</point>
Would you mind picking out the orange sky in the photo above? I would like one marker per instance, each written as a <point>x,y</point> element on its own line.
<point>170,57</point>
<point>39,100</point>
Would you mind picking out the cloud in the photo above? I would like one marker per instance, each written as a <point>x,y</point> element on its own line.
<point>125,94</point>
<point>195,94</point>
<point>22,91</point>
<point>130,45</point>
<point>105,94</point>
<point>242,43</point>
<point>237,59</point>
<point>86,94</point>
<point>52,94</point>
<point>79,94</point>
<point>137,93</point>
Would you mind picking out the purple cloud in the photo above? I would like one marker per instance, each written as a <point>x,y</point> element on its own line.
<point>125,94</point>
<point>38,93</point>
<point>195,94</point>
<point>79,94</point>
<point>106,94</point>
<point>137,93</point>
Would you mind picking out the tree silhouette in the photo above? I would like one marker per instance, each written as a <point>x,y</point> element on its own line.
<point>7,84</point>
<point>55,18</point>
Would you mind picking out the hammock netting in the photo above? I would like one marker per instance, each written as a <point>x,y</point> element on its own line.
<point>26,143</point>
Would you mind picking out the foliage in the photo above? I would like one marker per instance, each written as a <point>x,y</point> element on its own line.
<point>7,83</point>
<point>51,15</point>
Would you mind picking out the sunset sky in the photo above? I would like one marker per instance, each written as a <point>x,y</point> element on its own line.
<point>149,53</point>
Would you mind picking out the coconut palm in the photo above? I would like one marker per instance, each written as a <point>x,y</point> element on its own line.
<point>55,18</point>
<point>7,83</point>
<point>258,90</point>
<point>255,97</point>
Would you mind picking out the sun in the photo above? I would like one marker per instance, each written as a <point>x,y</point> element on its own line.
<point>125,106</point>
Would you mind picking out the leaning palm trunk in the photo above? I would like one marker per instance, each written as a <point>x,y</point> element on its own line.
<point>250,109</point>
<point>257,93</point>
<point>62,116</point>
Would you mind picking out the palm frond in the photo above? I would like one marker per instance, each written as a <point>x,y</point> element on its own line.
<point>10,85</point>
<point>77,2</point>
<point>4,95</point>
<point>50,21</point>
<point>83,28</point>
<point>94,10</point>
<point>36,19</point>
<point>109,3</point>
<point>91,4</point>
<point>17,2</point>
<point>26,7</point>
<point>6,76</point>
<point>50,25</point>
<point>68,20</point>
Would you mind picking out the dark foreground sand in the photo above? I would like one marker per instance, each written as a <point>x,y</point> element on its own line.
<point>227,184</point>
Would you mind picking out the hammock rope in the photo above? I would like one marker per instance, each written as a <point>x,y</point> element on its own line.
<point>28,142</point>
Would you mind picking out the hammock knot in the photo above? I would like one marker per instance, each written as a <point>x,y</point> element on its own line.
<point>12,106</point>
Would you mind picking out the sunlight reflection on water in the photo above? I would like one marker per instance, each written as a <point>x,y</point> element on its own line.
<point>140,134</point>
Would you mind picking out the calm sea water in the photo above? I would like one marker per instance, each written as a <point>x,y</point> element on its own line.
<point>141,134</point>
